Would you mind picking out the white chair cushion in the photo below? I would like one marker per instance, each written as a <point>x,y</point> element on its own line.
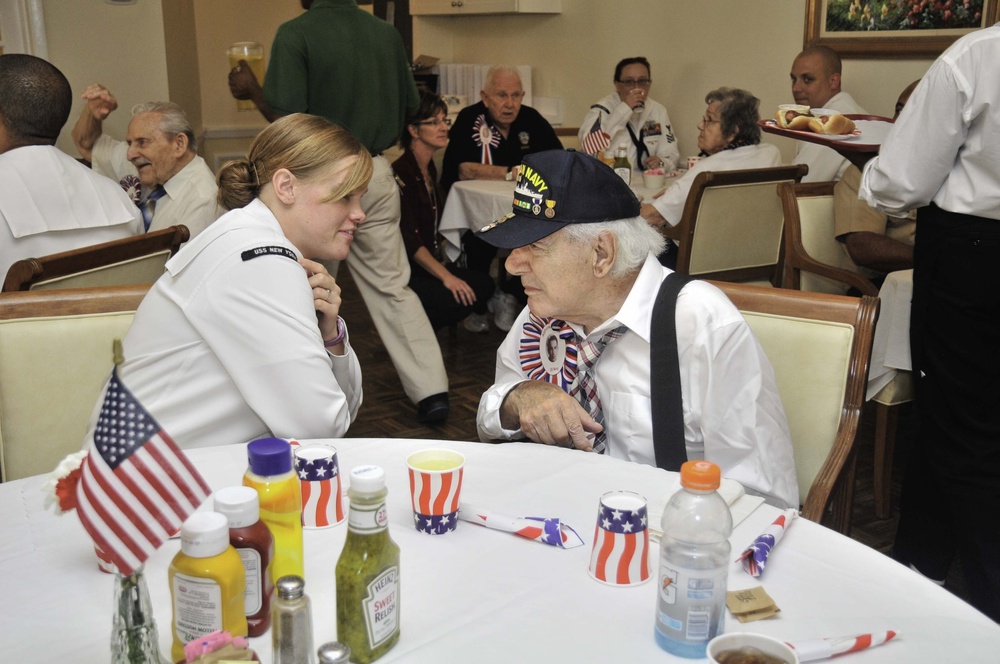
<point>811,361</point>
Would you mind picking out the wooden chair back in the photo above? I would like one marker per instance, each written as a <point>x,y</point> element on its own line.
<point>732,222</point>
<point>55,354</point>
<point>814,260</point>
<point>819,346</point>
<point>133,260</point>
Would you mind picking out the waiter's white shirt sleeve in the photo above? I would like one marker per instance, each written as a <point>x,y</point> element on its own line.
<point>945,146</point>
<point>732,411</point>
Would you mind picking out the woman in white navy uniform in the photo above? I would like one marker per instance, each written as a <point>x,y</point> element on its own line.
<point>241,337</point>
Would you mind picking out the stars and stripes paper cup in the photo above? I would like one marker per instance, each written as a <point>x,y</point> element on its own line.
<point>620,556</point>
<point>319,478</point>
<point>435,485</point>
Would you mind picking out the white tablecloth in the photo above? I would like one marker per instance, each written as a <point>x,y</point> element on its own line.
<point>473,204</point>
<point>891,345</point>
<point>478,595</point>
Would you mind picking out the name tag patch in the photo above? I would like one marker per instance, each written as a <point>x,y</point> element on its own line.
<point>257,252</point>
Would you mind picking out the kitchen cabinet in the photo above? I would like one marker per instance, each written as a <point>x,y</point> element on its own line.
<point>474,7</point>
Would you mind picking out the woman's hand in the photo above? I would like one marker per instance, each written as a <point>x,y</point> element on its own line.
<point>326,297</point>
<point>461,291</point>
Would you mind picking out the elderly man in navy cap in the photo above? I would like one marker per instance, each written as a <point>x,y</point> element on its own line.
<point>641,354</point>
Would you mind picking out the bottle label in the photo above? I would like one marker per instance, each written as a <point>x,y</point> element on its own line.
<point>367,519</point>
<point>197,607</point>
<point>252,594</point>
<point>382,607</point>
<point>690,602</point>
<point>624,174</point>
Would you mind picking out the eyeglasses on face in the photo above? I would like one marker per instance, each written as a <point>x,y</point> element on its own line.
<point>707,121</point>
<point>635,82</point>
<point>435,122</point>
<point>503,97</point>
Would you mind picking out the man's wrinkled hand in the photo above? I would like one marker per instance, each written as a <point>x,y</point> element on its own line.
<point>548,415</point>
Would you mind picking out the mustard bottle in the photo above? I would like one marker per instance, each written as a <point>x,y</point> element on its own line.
<point>271,473</point>
<point>207,582</point>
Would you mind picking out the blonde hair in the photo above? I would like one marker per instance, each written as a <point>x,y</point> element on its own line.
<point>308,146</point>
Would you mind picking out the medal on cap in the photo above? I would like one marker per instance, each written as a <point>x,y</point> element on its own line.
<point>550,209</point>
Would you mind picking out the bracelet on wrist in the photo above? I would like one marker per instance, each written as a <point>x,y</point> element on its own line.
<point>341,334</point>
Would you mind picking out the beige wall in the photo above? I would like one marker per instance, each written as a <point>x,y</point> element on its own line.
<point>692,47</point>
<point>175,49</point>
<point>122,47</point>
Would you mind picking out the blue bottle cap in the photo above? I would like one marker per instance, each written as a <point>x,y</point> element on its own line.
<point>269,456</point>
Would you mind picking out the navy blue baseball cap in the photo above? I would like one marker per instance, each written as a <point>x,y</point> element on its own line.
<point>556,188</point>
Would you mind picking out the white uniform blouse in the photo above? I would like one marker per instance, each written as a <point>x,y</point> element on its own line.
<point>651,125</point>
<point>732,411</point>
<point>226,348</point>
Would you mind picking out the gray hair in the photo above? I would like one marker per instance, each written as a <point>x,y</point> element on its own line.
<point>499,70</point>
<point>173,119</point>
<point>636,239</point>
<point>738,114</point>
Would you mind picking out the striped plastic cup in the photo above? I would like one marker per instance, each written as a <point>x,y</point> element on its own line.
<point>319,477</point>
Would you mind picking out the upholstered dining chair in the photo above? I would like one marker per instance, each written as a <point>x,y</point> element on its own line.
<point>819,346</point>
<point>55,354</point>
<point>814,261</point>
<point>132,260</point>
<point>731,226</point>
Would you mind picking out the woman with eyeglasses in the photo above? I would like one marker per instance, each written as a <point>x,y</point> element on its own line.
<point>729,138</point>
<point>629,117</point>
<point>449,293</point>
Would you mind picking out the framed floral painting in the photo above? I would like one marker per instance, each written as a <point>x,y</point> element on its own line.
<point>894,28</point>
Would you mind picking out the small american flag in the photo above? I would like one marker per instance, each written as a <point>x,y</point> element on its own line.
<point>136,486</point>
<point>621,545</point>
<point>597,140</point>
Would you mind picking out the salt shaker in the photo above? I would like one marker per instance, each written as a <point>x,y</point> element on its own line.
<point>334,652</point>
<point>291,623</point>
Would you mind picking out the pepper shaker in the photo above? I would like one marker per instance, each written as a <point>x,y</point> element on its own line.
<point>291,623</point>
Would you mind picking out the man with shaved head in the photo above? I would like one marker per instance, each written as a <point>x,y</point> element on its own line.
<point>816,83</point>
<point>49,202</point>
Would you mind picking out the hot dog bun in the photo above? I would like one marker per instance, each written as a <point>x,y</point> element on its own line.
<point>793,116</point>
<point>831,125</point>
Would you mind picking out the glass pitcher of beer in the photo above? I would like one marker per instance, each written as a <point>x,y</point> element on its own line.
<point>253,53</point>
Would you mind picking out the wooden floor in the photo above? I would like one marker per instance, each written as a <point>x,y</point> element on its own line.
<point>470,360</point>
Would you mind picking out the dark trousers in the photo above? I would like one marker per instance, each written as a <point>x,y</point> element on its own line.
<point>479,256</point>
<point>950,502</point>
<point>439,303</point>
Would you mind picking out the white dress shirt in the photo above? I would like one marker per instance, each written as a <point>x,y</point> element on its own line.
<point>945,146</point>
<point>50,202</point>
<point>825,164</point>
<point>191,192</point>
<point>225,347</point>
<point>671,203</point>
<point>651,125</point>
<point>732,411</point>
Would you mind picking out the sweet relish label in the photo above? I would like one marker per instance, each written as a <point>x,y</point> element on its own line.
<point>382,607</point>
<point>367,519</point>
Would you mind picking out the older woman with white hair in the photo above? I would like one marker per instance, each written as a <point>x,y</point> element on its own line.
<point>729,137</point>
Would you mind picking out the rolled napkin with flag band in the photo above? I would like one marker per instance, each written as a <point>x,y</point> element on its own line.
<point>754,557</point>
<point>545,530</point>
<point>814,649</point>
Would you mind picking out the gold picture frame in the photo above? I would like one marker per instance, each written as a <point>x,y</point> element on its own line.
<point>864,28</point>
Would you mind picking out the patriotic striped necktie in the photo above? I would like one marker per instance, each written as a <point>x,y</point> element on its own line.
<point>148,206</point>
<point>585,389</point>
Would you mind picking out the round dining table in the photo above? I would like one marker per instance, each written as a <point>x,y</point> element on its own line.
<point>482,595</point>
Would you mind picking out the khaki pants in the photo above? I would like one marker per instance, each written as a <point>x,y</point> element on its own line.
<point>381,270</point>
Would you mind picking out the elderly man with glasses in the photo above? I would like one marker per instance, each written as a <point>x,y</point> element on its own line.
<point>629,117</point>
<point>487,142</point>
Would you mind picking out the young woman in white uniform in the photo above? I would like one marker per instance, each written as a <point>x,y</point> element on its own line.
<point>240,337</point>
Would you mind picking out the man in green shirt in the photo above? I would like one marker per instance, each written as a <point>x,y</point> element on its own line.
<point>339,61</point>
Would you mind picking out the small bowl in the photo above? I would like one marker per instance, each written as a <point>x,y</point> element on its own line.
<point>737,640</point>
